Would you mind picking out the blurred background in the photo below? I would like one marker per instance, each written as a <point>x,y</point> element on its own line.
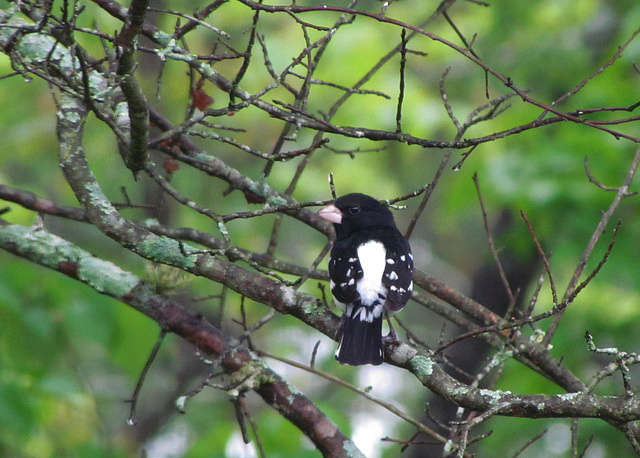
<point>69,357</point>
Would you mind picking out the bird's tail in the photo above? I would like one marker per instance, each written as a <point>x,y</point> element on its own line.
<point>361,335</point>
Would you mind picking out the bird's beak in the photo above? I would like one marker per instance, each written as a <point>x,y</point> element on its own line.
<point>331,213</point>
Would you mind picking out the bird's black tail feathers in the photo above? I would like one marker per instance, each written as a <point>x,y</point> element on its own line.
<point>360,340</point>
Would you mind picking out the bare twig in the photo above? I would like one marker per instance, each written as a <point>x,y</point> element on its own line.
<point>403,62</point>
<point>623,191</point>
<point>623,360</point>
<point>492,247</point>
<point>193,20</point>
<point>544,258</point>
<point>133,400</point>
<point>606,65</point>
<point>529,443</point>
<point>254,427</point>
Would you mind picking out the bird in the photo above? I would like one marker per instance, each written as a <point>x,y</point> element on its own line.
<point>370,270</point>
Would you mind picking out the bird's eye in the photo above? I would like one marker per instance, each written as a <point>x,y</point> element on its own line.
<point>354,210</point>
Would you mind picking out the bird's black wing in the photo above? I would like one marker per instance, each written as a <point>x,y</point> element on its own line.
<point>345,271</point>
<point>398,271</point>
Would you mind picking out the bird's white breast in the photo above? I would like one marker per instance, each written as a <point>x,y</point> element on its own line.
<point>372,256</point>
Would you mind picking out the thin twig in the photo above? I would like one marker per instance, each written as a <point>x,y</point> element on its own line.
<point>133,400</point>
<point>447,105</point>
<point>254,426</point>
<point>623,191</point>
<point>544,258</point>
<point>492,247</point>
<point>403,63</point>
<point>584,82</point>
<point>529,443</point>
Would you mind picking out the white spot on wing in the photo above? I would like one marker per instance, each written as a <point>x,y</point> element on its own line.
<point>392,275</point>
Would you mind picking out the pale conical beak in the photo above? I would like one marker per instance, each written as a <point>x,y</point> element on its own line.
<point>331,213</point>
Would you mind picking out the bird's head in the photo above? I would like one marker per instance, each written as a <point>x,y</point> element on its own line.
<point>356,211</point>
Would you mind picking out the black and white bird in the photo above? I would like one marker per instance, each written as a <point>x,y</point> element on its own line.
<point>371,269</point>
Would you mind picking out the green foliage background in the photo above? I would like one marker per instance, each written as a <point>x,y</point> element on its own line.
<point>68,357</point>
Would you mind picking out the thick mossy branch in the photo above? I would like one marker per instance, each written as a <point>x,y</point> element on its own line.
<point>51,251</point>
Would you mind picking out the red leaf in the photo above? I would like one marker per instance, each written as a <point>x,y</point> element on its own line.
<point>201,99</point>
<point>170,164</point>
